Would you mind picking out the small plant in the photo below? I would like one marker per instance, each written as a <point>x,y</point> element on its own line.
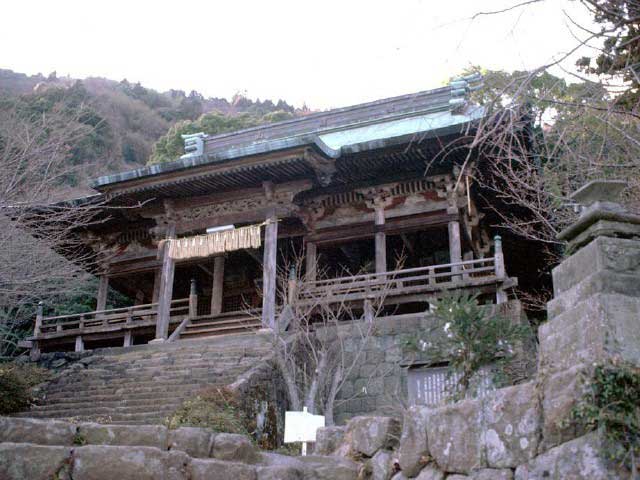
<point>79,439</point>
<point>16,381</point>
<point>217,409</point>
<point>469,336</point>
<point>611,405</point>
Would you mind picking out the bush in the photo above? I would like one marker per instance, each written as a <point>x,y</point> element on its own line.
<point>16,382</point>
<point>217,409</point>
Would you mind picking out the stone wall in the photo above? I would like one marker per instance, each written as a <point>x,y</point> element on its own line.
<point>378,383</point>
<point>527,431</point>
<point>46,450</point>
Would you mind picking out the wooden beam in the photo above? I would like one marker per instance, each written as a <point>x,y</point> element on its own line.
<point>166,289</point>
<point>218,285</point>
<point>311,259</point>
<point>381,239</point>
<point>455,245</point>
<point>269,269</point>
<point>103,290</point>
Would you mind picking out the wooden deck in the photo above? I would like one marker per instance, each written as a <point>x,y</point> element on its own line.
<point>407,285</point>
<point>401,286</point>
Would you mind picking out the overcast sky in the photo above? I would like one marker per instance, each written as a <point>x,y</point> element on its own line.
<point>327,53</point>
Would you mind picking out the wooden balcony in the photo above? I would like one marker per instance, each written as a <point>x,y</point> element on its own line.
<point>101,324</point>
<point>483,275</point>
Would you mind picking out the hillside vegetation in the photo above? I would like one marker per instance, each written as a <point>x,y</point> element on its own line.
<point>131,125</point>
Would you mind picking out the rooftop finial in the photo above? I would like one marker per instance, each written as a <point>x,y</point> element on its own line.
<point>193,144</point>
<point>461,87</point>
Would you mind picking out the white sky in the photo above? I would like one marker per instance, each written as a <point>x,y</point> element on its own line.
<point>327,53</point>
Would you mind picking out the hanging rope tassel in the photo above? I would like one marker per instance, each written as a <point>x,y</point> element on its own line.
<point>215,243</point>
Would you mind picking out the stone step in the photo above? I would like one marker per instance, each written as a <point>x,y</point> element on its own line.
<point>133,393</point>
<point>160,410</point>
<point>82,395</point>
<point>200,332</point>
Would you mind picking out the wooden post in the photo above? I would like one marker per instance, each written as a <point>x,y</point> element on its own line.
<point>157,280</point>
<point>269,271</point>
<point>292,286</point>
<point>35,346</point>
<point>501,295</point>
<point>39,315</point>
<point>139,298</point>
<point>381,238</point>
<point>455,247</point>
<point>103,293</point>
<point>128,339</point>
<point>218,285</point>
<point>312,262</point>
<point>79,344</point>
<point>193,299</point>
<point>166,290</point>
<point>368,311</point>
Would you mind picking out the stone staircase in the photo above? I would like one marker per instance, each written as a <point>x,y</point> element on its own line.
<point>145,383</point>
<point>222,324</point>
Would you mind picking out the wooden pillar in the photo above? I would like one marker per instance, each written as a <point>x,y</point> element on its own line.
<point>455,247</point>
<point>139,298</point>
<point>269,271</point>
<point>103,291</point>
<point>501,295</point>
<point>79,344</point>
<point>128,339</point>
<point>39,316</point>
<point>166,290</point>
<point>157,279</point>
<point>193,299</point>
<point>292,286</point>
<point>381,239</point>
<point>218,285</point>
<point>312,261</point>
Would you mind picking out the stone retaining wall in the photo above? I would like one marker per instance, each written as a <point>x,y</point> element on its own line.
<point>48,449</point>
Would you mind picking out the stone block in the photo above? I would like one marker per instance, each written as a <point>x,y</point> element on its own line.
<point>233,447</point>
<point>134,435</point>
<point>614,255</point>
<point>560,393</point>
<point>413,453</point>
<point>597,329</point>
<point>580,458</point>
<point>196,442</point>
<point>40,432</point>
<point>454,436</point>
<point>328,468</point>
<point>381,465</point>
<point>430,472</point>
<point>201,469</point>
<point>22,461</point>
<point>278,472</point>
<point>370,434</point>
<point>328,439</point>
<point>93,462</point>
<point>492,474</point>
<point>511,425</point>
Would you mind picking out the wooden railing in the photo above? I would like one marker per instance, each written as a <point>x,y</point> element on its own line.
<point>138,315</point>
<point>402,282</point>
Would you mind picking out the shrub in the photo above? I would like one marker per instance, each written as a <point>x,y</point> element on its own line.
<point>470,337</point>
<point>16,381</point>
<point>610,405</point>
<point>217,409</point>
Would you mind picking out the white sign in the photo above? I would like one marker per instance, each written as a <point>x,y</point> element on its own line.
<point>301,426</point>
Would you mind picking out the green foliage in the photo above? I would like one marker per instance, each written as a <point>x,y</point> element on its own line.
<point>16,381</point>
<point>470,337</point>
<point>619,22</point>
<point>217,409</point>
<point>611,404</point>
<point>171,146</point>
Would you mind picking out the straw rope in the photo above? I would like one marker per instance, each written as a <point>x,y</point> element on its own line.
<point>215,243</point>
